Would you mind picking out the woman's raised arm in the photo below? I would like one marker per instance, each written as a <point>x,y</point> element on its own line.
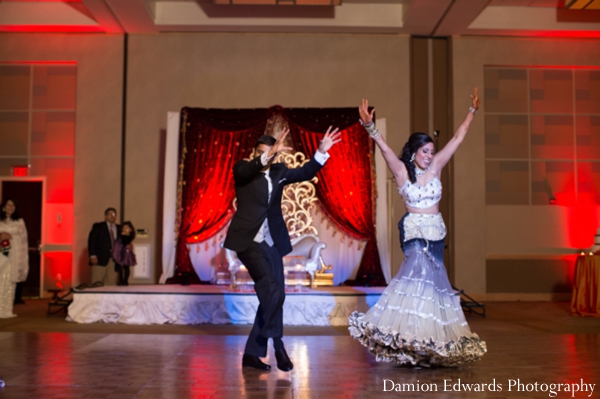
<point>395,165</point>
<point>443,156</point>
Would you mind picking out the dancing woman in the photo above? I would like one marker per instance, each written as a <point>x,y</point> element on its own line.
<point>418,320</point>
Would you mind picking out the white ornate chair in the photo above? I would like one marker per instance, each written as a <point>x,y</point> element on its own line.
<point>308,248</point>
<point>305,257</point>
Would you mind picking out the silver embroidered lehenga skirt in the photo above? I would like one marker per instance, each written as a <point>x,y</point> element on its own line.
<point>418,319</point>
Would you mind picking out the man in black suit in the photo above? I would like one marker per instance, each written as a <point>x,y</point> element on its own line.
<point>100,244</point>
<point>259,236</point>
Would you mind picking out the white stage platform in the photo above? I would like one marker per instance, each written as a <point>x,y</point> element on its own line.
<point>213,304</point>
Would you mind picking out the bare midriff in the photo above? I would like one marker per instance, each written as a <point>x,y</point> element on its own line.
<point>432,210</point>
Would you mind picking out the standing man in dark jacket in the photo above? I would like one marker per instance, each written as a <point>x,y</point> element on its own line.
<point>100,244</point>
<point>259,236</point>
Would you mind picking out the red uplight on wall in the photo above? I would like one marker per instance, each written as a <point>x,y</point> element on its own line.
<point>58,270</point>
<point>19,171</point>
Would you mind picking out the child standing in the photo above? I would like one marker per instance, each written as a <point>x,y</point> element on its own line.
<point>123,253</point>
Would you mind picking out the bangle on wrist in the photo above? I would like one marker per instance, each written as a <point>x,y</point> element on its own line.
<point>370,128</point>
<point>472,110</point>
<point>375,133</point>
<point>366,125</point>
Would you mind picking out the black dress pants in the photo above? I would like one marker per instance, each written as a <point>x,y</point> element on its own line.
<point>265,266</point>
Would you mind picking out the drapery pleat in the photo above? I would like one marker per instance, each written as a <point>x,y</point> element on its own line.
<point>212,140</point>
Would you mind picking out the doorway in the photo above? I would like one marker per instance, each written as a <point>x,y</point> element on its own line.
<point>28,197</point>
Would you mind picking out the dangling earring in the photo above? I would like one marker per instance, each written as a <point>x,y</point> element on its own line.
<point>412,157</point>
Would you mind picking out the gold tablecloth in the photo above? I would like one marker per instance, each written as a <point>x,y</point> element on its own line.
<point>585,300</point>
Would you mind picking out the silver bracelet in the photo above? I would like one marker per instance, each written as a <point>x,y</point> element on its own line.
<point>472,110</point>
<point>375,134</point>
<point>371,129</point>
<point>367,125</point>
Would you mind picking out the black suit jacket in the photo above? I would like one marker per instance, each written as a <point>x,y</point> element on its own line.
<point>252,192</point>
<point>99,242</point>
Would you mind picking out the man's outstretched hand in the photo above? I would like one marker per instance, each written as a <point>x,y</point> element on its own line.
<point>280,143</point>
<point>331,138</point>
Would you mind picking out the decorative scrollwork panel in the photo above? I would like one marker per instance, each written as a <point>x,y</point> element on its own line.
<point>298,199</point>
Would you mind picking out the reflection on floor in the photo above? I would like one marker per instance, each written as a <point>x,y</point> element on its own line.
<point>527,343</point>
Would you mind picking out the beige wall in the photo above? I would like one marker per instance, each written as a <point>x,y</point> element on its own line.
<point>168,72</point>
<point>484,232</point>
<point>98,125</point>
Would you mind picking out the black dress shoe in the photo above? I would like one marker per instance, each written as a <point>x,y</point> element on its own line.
<point>283,361</point>
<point>255,362</point>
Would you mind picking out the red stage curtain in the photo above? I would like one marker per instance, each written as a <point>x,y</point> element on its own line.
<point>213,140</point>
<point>346,184</point>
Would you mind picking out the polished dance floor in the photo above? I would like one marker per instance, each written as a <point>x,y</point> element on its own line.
<point>535,349</point>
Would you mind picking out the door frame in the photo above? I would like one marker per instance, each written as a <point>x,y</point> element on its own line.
<point>41,179</point>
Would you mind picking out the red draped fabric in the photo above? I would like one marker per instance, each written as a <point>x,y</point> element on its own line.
<point>213,140</point>
<point>345,190</point>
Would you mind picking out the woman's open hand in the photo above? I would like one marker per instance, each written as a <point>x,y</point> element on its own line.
<point>363,109</point>
<point>475,99</point>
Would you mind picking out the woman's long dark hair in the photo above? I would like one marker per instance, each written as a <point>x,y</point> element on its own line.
<point>415,141</point>
<point>15,215</point>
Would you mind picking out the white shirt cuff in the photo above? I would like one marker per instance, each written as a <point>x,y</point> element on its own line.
<point>264,160</point>
<point>321,158</point>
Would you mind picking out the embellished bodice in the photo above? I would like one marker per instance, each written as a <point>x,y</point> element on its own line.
<point>421,197</point>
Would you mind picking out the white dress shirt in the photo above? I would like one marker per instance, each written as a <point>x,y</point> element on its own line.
<point>112,230</point>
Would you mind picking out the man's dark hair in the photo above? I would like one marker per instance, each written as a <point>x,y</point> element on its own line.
<point>267,140</point>
<point>108,210</point>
